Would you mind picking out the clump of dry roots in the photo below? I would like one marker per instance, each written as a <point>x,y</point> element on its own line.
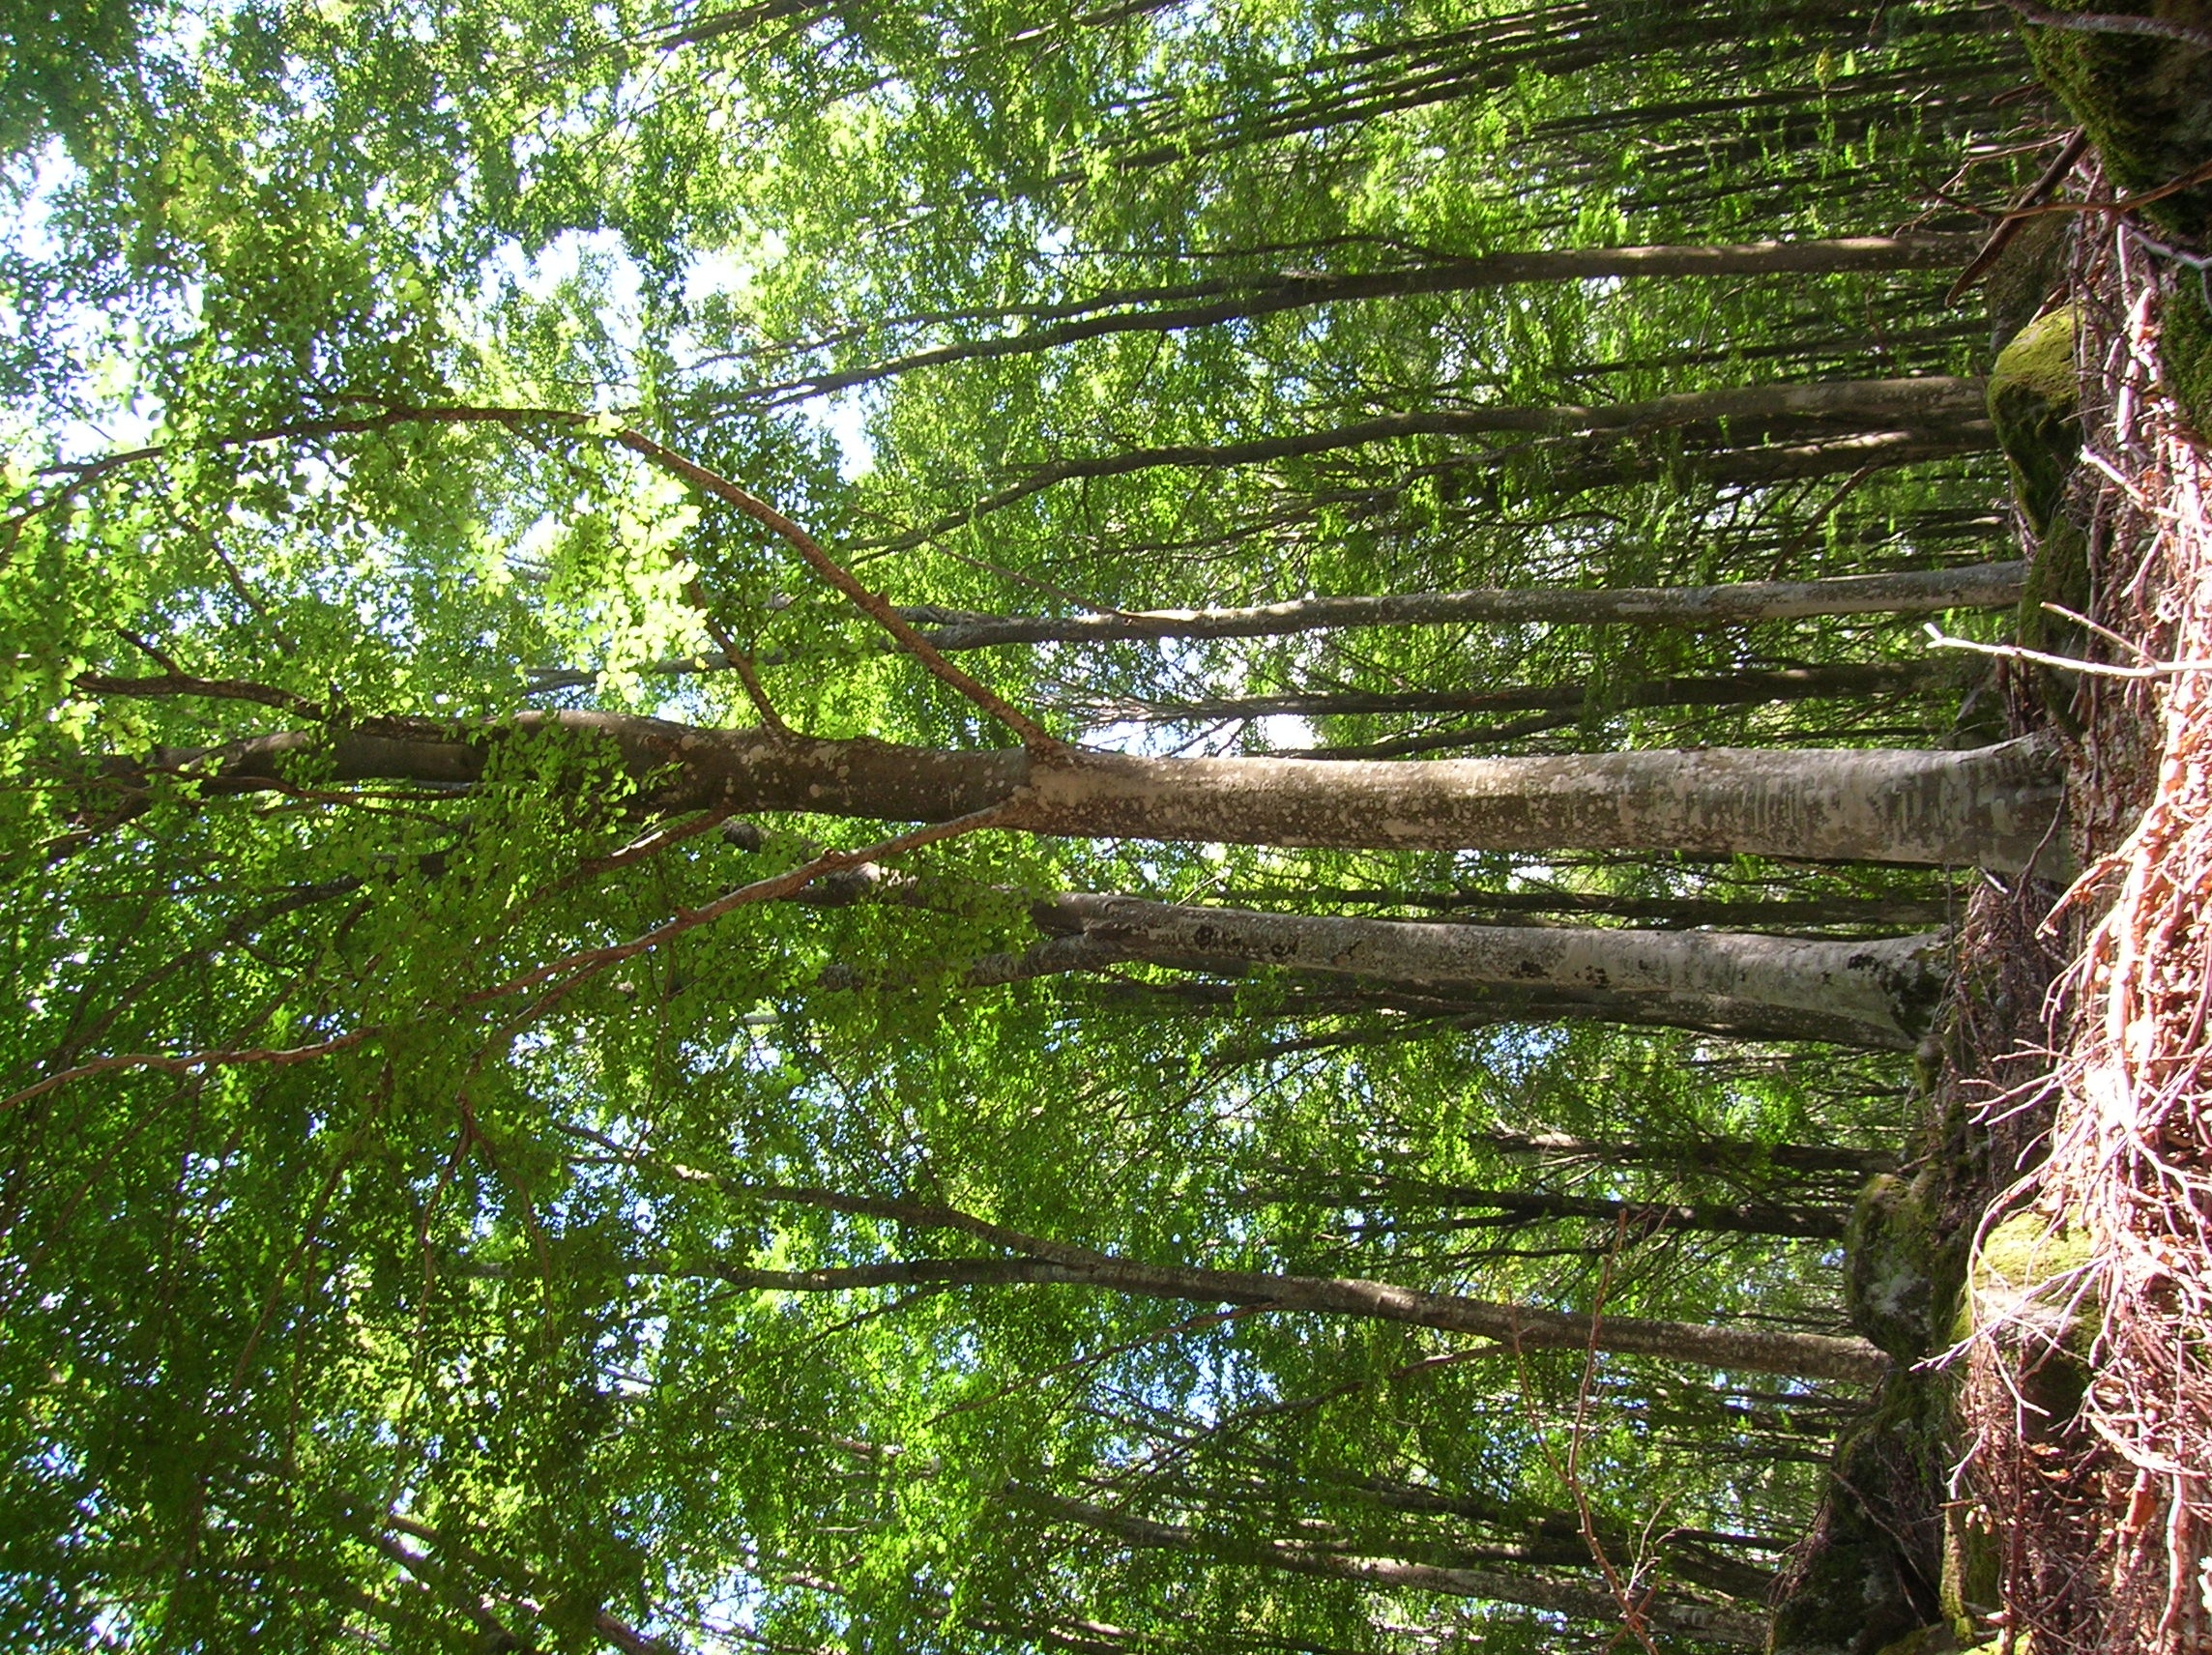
<point>2100,1487</point>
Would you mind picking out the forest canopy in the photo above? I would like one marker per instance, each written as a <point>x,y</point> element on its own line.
<point>973,827</point>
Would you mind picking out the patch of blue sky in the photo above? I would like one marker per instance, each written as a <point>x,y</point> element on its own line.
<point>99,343</point>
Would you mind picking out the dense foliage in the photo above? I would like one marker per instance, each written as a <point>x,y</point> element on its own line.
<point>439,1216</point>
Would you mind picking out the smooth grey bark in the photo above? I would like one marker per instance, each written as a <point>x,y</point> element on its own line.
<point>1981,586</point>
<point>1875,992</point>
<point>1753,985</point>
<point>1992,805</point>
<point>1435,1011</point>
<point>1673,1614</point>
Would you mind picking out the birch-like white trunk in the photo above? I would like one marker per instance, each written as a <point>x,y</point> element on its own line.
<point>1875,992</point>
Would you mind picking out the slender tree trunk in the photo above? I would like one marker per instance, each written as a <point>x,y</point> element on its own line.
<point>1553,1538</point>
<point>1170,309</point>
<point>1735,689</point>
<point>1438,1012</point>
<point>1658,912</point>
<point>1682,1616</point>
<point>1501,1208</point>
<point>1868,418</point>
<point>1981,586</point>
<point>1755,1349</point>
<point>1706,1155</point>
<point>1873,993</point>
<point>1868,992</point>
<point>1584,464</point>
<point>1993,806</point>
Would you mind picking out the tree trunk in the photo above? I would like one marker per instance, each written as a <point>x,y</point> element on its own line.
<point>1586,464</point>
<point>1542,1538</point>
<point>1993,806</point>
<point>1748,689</point>
<point>1659,913</point>
<point>1706,1155</point>
<point>1524,1206</point>
<point>1174,309</point>
<point>1836,422</point>
<point>1754,1349</point>
<point>1682,1616</point>
<point>1981,586</point>
<point>1866,990</point>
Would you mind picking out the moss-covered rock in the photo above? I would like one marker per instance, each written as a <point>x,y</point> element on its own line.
<point>1943,1640</point>
<point>1901,1272</point>
<point>2185,350</point>
<point>2058,574</point>
<point>1868,1573</point>
<point>2032,1289</point>
<point>2035,399</point>
<point>1849,1593</point>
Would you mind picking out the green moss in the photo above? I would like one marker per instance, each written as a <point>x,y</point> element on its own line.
<point>2035,398</point>
<point>2146,102</point>
<point>2185,350</point>
<point>1973,1566</point>
<point>2029,1288</point>
<point>2040,360</point>
<point>1902,1270</point>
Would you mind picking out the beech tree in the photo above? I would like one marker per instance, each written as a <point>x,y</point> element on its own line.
<point>1348,583</point>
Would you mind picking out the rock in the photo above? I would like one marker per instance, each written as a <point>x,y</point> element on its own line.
<point>1866,1576</point>
<point>1893,1267</point>
<point>2035,398</point>
<point>2031,1287</point>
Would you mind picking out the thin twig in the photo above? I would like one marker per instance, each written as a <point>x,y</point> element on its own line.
<point>1632,1608</point>
<point>1936,640</point>
<point>1033,735</point>
<point>2010,224</point>
<point>570,970</point>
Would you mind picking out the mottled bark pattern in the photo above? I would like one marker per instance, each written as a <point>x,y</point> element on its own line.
<point>1994,806</point>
